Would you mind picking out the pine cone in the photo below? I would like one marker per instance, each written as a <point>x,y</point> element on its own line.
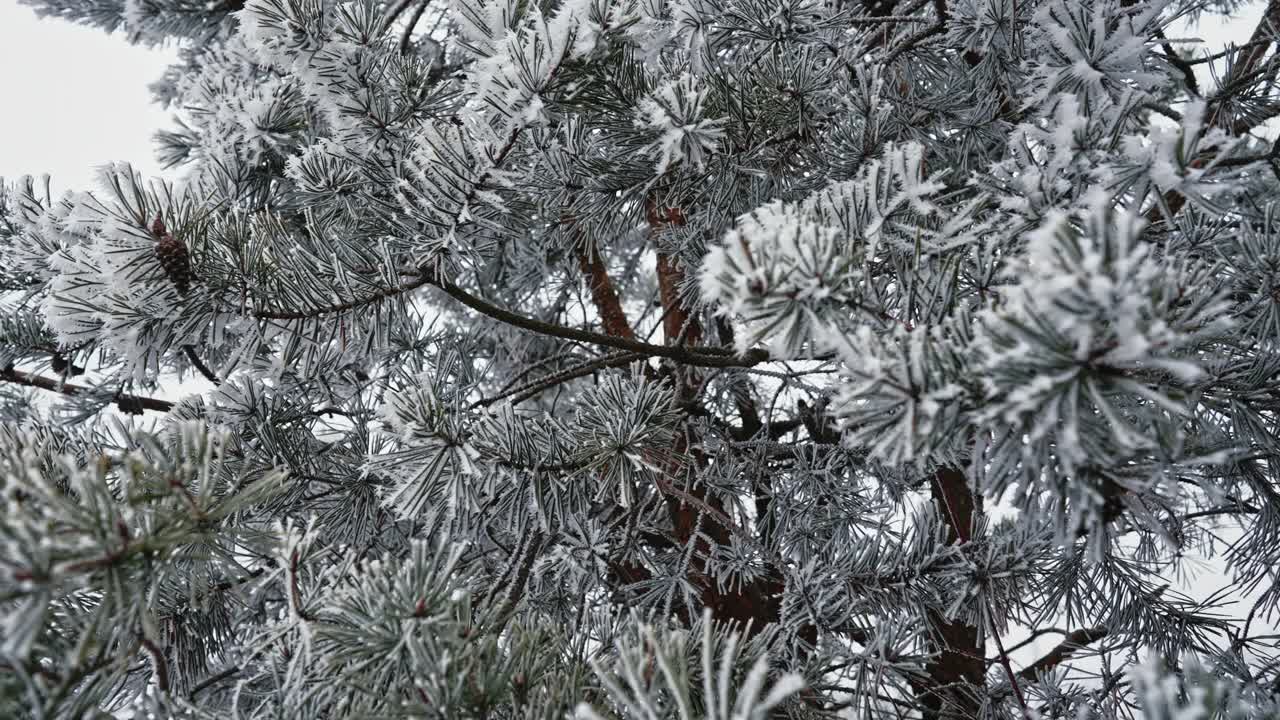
<point>173,257</point>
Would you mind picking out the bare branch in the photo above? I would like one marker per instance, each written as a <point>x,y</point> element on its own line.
<point>1063,652</point>
<point>524,392</point>
<point>126,403</point>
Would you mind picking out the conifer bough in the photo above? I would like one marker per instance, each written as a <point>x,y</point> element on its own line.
<point>666,359</point>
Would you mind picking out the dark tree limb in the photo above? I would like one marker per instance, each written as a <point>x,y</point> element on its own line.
<point>1176,60</point>
<point>127,403</point>
<point>158,660</point>
<point>1259,42</point>
<point>701,357</point>
<point>406,38</point>
<point>1075,641</point>
<point>213,680</point>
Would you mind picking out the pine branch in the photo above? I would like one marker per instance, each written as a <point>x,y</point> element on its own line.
<point>740,522</point>
<point>524,392</point>
<point>542,467</point>
<point>702,357</point>
<point>377,296</point>
<point>1063,652</point>
<point>424,276</point>
<point>884,9</point>
<point>523,567</point>
<point>125,402</point>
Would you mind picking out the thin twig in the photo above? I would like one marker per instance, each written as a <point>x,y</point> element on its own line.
<point>376,296</point>
<point>524,392</point>
<point>199,365</point>
<point>212,680</point>
<point>295,596</point>
<point>157,659</point>
<point>879,19</point>
<point>1030,639</point>
<point>516,589</point>
<point>394,13</point>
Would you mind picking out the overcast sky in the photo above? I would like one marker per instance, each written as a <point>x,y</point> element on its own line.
<point>74,99</point>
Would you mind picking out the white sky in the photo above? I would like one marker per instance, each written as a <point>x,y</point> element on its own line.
<point>74,98</point>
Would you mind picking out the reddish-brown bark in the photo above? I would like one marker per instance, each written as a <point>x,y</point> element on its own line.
<point>958,670</point>
<point>677,323</point>
<point>758,603</point>
<point>603,295</point>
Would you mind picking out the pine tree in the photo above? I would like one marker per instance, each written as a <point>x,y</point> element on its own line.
<point>653,359</point>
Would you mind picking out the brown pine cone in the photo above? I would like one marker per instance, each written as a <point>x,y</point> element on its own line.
<point>173,257</point>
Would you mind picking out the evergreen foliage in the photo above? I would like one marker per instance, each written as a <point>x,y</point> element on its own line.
<point>652,359</point>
